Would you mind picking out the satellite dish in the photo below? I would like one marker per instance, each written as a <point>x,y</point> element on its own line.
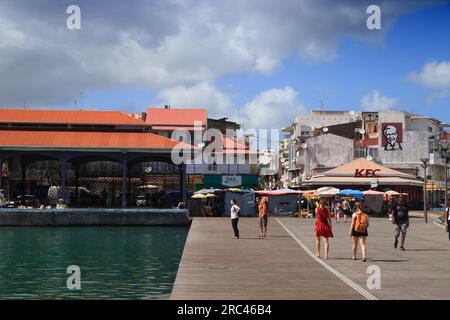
<point>352,113</point>
<point>369,157</point>
<point>362,131</point>
<point>312,128</point>
<point>201,145</point>
<point>304,146</point>
<point>325,129</point>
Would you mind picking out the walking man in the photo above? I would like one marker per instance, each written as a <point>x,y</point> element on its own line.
<point>235,212</point>
<point>262,216</point>
<point>400,218</point>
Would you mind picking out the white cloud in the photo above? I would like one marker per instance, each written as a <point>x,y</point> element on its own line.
<point>201,95</point>
<point>274,108</point>
<point>438,95</point>
<point>167,43</point>
<point>433,75</point>
<point>374,101</point>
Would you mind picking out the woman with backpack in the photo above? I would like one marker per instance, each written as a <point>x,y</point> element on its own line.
<point>323,227</point>
<point>358,230</point>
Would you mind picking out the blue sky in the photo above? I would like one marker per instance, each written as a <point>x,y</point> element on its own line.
<point>258,62</point>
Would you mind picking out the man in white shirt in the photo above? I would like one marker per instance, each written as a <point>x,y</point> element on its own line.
<point>235,211</point>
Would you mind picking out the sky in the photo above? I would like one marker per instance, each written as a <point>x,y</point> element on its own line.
<point>259,62</point>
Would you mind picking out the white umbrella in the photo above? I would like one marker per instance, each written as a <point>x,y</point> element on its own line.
<point>327,191</point>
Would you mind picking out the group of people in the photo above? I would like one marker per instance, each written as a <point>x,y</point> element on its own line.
<point>359,226</point>
<point>263,217</point>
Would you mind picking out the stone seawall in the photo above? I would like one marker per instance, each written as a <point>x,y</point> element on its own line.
<point>93,217</point>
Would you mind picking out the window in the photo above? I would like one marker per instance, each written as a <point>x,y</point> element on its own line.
<point>373,152</point>
<point>360,152</point>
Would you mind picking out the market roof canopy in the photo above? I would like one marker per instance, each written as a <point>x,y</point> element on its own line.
<point>81,117</point>
<point>56,140</point>
<point>363,172</point>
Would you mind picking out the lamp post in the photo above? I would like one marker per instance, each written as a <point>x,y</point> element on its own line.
<point>444,147</point>
<point>425,165</point>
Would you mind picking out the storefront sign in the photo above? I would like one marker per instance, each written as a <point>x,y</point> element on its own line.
<point>366,173</point>
<point>232,181</point>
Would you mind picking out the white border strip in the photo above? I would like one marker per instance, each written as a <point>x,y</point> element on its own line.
<point>352,284</point>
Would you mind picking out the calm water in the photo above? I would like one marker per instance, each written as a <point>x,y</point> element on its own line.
<point>116,262</point>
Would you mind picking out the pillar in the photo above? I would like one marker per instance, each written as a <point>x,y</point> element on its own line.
<point>124,182</point>
<point>1,171</point>
<point>24,169</point>
<point>77,167</point>
<point>62,176</point>
<point>183,183</point>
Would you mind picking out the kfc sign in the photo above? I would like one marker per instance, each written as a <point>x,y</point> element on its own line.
<point>367,173</point>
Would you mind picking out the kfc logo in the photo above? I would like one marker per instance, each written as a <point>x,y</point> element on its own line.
<point>367,173</point>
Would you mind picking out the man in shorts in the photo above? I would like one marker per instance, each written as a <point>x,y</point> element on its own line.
<point>262,216</point>
<point>400,218</point>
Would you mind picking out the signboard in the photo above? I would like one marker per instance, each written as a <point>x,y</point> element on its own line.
<point>232,181</point>
<point>373,183</point>
<point>392,136</point>
<point>366,173</point>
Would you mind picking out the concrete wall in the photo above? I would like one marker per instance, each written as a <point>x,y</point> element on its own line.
<point>93,217</point>
<point>328,150</point>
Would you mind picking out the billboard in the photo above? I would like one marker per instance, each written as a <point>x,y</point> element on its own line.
<point>392,136</point>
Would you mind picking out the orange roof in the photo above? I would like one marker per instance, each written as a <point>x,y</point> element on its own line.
<point>13,139</point>
<point>174,118</point>
<point>67,117</point>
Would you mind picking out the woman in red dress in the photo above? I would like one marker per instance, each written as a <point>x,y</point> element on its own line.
<point>323,227</point>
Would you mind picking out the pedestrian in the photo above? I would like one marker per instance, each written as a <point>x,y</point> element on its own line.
<point>347,209</point>
<point>447,219</point>
<point>400,218</point>
<point>235,213</point>
<point>337,210</point>
<point>323,227</point>
<point>358,230</point>
<point>263,218</point>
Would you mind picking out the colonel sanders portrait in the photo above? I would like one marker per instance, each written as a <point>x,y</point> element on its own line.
<point>392,143</point>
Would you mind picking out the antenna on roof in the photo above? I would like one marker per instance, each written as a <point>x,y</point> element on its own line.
<point>75,104</point>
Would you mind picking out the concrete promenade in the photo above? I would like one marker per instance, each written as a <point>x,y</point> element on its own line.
<point>215,266</point>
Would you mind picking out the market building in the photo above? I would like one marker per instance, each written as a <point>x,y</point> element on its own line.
<point>85,158</point>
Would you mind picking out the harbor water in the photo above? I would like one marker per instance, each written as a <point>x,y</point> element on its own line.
<point>114,262</point>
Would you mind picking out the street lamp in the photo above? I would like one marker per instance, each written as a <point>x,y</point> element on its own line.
<point>444,147</point>
<point>425,165</point>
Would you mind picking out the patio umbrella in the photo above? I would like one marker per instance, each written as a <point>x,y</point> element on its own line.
<point>392,193</point>
<point>327,191</point>
<point>199,196</point>
<point>206,191</point>
<point>352,193</point>
<point>373,193</point>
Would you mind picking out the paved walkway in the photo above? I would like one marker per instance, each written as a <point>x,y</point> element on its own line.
<point>422,272</point>
<point>216,266</point>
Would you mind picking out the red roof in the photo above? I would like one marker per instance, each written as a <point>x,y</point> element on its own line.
<point>67,117</point>
<point>84,140</point>
<point>172,119</point>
